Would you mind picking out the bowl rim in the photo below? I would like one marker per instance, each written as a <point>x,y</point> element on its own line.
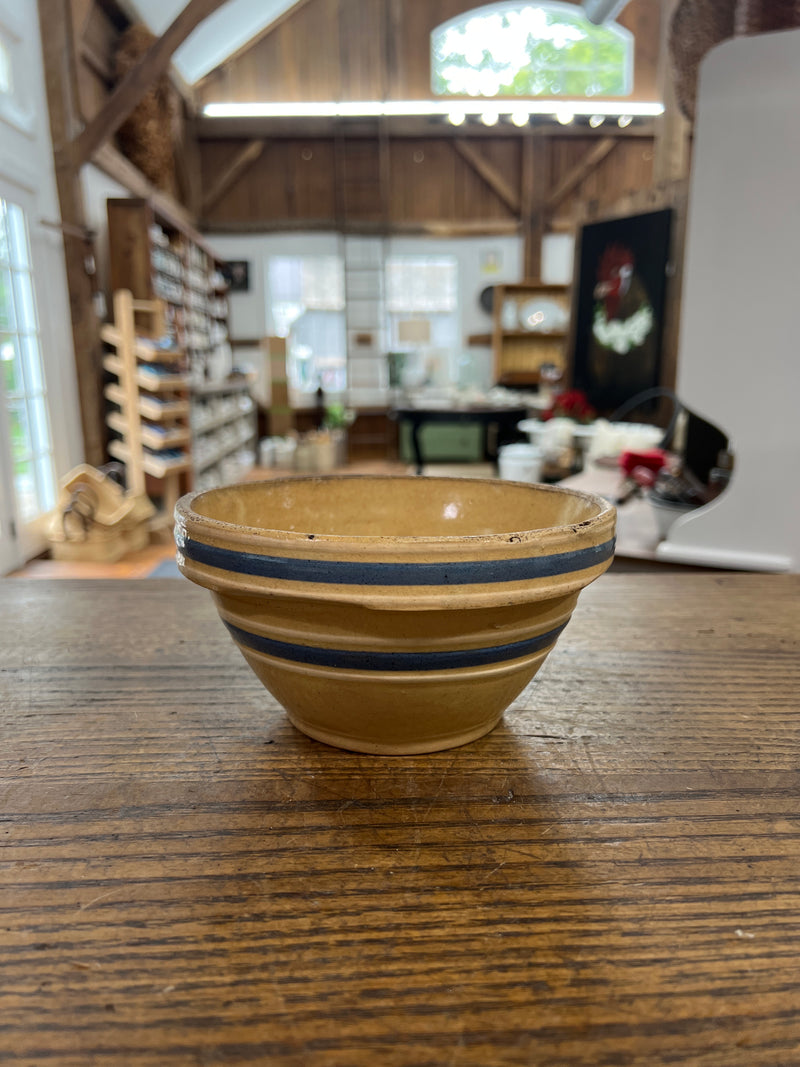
<point>185,515</point>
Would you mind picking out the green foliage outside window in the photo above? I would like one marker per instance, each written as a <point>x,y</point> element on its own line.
<point>523,49</point>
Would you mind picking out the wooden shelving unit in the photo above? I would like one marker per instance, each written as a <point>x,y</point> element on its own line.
<point>151,409</point>
<point>223,421</point>
<point>519,350</point>
<point>156,259</point>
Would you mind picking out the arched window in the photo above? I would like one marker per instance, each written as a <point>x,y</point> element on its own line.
<point>528,49</point>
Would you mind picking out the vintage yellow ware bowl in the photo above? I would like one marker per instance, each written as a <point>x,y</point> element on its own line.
<point>392,614</point>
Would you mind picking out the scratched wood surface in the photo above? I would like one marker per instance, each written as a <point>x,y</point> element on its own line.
<point>610,878</point>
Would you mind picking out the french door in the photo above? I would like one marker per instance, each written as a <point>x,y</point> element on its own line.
<point>27,474</point>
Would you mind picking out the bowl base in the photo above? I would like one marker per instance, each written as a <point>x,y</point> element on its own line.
<point>386,712</point>
<point>403,748</point>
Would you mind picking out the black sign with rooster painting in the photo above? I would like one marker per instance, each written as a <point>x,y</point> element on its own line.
<point>622,279</point>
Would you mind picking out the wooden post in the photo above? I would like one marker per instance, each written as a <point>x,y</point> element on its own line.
<point>59,58</point>
<point>535,168</point>
<point>672,129</point>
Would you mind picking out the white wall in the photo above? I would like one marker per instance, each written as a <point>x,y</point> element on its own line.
<point>482,261</point>
<point>97,188</point>
<point>249,314</point>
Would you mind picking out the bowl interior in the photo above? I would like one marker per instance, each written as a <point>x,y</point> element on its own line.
<point>367,506</point>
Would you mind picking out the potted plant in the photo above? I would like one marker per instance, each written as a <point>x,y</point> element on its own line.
<point>337,419</point>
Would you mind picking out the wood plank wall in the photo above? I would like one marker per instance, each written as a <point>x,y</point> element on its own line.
<point>363,49</point>
<point>294,181</point>
<point>371,49</point>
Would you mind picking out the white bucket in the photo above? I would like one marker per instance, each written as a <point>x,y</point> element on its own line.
<point>285,448</point>
<point>520,463</point>
<point>266,452</point>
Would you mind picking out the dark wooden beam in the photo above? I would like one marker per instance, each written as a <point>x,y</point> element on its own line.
<point>535,172</point>
<point>238,166</point>
<point>582,169</point>
<point>489,173</point>
<point>430,227</point>
<point>399,126</point>
<point>339,178</point>
<point>58,52</point>
<point>119,167</point>
<point>189,167</point>
<point>139,79</point>
<point>671,145</point>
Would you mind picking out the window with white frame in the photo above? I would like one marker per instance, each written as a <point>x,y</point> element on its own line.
<point>423,288</point>
<point>306,299</point>
<point>422,318</point>
<point>22,385</point>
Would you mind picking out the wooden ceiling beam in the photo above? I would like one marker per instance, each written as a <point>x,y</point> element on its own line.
<point>139,79</point>
<point>430,227</point>
<point>582,169</point>
<point>489,173</point>
<point>112,162</point>
<point>238,166</point>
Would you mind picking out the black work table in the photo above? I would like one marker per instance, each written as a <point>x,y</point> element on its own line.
<point>504,418</point>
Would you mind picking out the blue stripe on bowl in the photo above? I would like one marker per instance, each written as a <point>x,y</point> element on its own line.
<point>343,572</point>
<point>354,659</point>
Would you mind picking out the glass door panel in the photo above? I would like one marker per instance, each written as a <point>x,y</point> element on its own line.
<point>28,487</point>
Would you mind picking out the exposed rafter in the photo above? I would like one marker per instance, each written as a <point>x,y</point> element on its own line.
<point>240,163</point>
<point>493,178</point>
<point>582,169</point>
<point>138,80</point>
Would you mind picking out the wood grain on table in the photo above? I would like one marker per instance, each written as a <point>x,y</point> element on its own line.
<point>610,877</point>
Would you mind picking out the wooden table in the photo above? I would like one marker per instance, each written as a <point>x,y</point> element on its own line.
<point>611,877</point>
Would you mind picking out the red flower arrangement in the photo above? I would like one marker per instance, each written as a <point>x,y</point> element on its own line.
<point>573,404</point>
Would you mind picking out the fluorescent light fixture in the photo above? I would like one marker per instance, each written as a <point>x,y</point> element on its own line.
<point>596,120</point>
<point>624,120</point>
<point>443,107</point>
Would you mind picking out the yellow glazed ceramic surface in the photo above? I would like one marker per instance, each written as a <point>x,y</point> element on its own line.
<point>394,615</point>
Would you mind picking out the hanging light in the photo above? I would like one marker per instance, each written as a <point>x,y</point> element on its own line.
<point>596,120</point>
<point>564,116</point>
<point>456,118</point>
<point>624,120</point>
<point>490,118</point>
<point>520,117</point>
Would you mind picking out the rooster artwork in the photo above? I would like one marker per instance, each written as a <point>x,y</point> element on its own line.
<point>623,347</point>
